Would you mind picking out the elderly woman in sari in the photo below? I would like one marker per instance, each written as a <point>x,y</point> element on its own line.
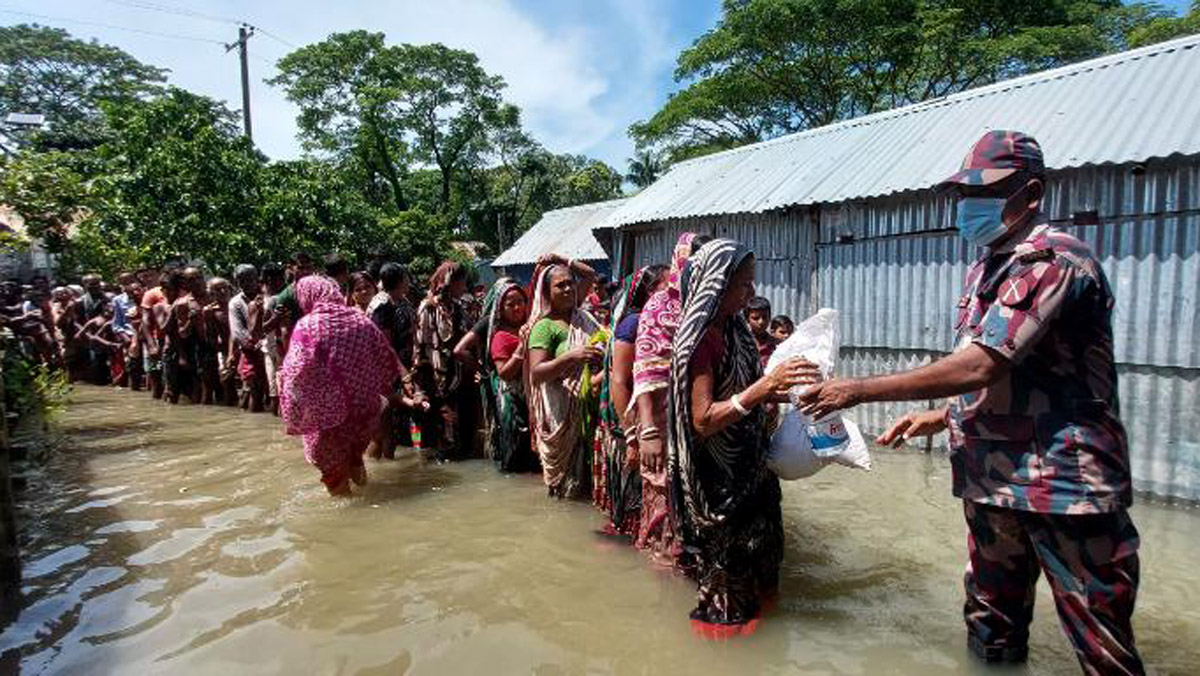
<point>558,371</point>
<point>441,323</point>
<point>729,514</point>
<point>651,382</point>
<point>335,379</point>
<point>618,492</point>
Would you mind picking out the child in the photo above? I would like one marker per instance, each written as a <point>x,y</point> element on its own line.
<point>758,315</point>
<point>782,328</point>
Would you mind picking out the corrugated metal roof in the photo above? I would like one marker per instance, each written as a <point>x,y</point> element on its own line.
<point>1121,108</point>
<point>567,232</point>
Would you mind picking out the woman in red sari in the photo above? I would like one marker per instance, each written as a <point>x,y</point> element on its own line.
<point>336,378</point>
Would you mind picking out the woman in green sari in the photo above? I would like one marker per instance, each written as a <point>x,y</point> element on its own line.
<point>558,372</point>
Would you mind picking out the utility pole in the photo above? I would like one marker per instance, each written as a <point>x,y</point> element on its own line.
<point>245,31</point>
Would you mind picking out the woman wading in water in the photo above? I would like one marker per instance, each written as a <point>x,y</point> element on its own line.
<point>651,385</point>
<point>559,392</point>
<point>337,373</point>
<point>730,514</point>
<point>505,364</point>
<point>619,494</point>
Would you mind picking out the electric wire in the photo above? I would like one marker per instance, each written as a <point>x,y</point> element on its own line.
<point>86,22</point>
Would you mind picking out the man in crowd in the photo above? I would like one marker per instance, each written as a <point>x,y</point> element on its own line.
<point>1039,455</point>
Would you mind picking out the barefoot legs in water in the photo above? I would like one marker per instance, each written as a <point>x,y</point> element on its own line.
<point>340,490</point>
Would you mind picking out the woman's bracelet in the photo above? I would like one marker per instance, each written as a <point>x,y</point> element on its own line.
<point>736,402</point>
<point>649,433</point>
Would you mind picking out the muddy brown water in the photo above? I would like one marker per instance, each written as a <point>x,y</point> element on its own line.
<point>197,540</point>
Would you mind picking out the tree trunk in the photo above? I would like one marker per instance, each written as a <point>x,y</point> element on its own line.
<point>447,174</point>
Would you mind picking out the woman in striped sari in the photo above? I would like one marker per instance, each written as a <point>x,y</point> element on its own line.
<point>728,499</point>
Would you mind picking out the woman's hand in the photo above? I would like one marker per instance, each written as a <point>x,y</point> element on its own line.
<point>586,353</point>
<point>653,454</point>
<point>795,371</point>
<point>915,424</point>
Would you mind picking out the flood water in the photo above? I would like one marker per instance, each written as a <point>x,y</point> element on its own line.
<point>197,540</point>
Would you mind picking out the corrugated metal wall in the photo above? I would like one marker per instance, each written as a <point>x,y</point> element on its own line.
<point>783,243</point>
<point>894,269</point>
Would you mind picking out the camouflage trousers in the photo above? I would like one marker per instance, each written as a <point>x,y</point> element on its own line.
<point>1091,563</point>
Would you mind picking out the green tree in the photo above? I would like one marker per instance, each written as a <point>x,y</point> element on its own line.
<point>1164,28</point>
<point>389,106</point>
<point>771,67</point>
<point>342,87</point>
<point>645,167</point>
<point>309,205</point>
<point>45,70</point>
<point>180,179</point>
<point>49,193</point>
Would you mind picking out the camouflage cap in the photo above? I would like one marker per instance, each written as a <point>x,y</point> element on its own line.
<point>996,156</point>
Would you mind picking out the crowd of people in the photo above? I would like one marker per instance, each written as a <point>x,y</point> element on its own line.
<point>648,398</point>
<point>567,376</point>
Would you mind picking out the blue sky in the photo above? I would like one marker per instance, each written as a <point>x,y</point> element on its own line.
<point>581,70</point>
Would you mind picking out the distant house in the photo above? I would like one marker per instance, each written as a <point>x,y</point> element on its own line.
<point>567,232</point>
<point>844,216</point>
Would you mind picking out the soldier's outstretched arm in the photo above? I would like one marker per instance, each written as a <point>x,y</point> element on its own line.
<point>967,370</point>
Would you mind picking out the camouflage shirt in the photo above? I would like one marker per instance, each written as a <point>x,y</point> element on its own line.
<point>1047,437</point>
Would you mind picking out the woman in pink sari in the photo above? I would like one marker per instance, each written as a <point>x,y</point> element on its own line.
<point>336,377</point>
<point>651,388</point>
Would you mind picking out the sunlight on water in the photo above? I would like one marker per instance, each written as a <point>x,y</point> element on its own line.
<point>190,540</point>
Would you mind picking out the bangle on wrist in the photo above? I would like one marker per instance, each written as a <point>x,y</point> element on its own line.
<point>736,402</point>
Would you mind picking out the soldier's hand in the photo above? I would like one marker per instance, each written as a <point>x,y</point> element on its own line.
<point>829,397</point>
<point>915,424</point>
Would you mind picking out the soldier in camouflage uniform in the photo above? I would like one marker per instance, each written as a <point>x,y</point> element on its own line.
<point>1039,455</point>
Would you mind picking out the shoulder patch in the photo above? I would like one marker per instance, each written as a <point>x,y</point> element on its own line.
<point>1036,256</point>
<point>1014,291</point>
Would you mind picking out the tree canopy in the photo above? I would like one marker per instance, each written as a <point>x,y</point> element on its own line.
<point>408,147</point>
<point>771,67</point>
<point>45,70</point>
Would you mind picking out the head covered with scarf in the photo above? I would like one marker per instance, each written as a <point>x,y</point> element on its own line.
<point>338,363</point>
<point>656,328</point>
<point>714,475</point>
<point>446,273</point>
<point>556,406</point>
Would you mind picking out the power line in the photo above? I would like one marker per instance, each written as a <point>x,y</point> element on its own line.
<point>174,36</point>
<point>182,11</point>
<point>286,43</point>
<point>168,9</point>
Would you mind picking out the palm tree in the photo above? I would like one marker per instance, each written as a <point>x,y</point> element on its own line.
<point>645,167</point>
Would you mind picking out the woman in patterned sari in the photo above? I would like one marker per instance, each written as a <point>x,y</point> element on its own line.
<point>651,382</point>
<point>619,490</point>
<point>557,373</point>
<point>334,381</point>
<point>728,499</point>
<point>441,323</point>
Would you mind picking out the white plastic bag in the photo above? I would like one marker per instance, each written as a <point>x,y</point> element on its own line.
<point>816,339</point>
<point>791,454</point>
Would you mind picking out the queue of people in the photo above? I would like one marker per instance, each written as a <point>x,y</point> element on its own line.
<point>649,399</point>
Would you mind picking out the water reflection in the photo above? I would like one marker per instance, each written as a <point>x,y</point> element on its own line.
<point>198,540</point>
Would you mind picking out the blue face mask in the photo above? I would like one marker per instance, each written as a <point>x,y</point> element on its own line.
<point>980,220</point>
